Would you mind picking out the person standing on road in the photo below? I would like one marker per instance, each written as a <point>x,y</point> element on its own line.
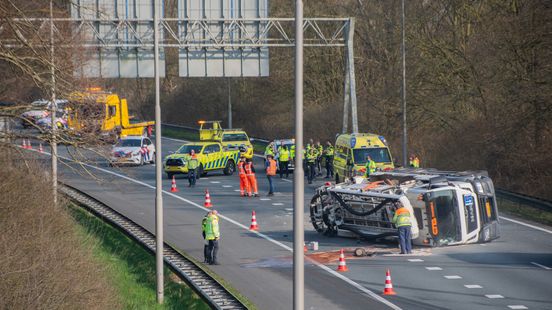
<point>212,234</point>
<point>269,150</point>
<point>319,154</point>
<point>270,166</point>
<point>244,183</point>
<point>401,219</point>
<point>192,165</point>
<point>328,156</point>
<point>283,159</point>
<point>205,241</point>
<point>250,173</point>
<point>311,163</point>
<point>370,166</point>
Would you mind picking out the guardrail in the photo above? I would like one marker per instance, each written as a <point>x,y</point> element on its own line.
<point>207,287</point>
<point>525,200</point>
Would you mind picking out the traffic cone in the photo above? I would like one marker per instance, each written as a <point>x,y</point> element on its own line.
<point>40,149</point>
<point>388,290</point>
<point>173,185</point>
<point>207,203</point>
<point>342,267</point>
<point>305,250</point>
<point>29,145</point>
<point>254,225</point>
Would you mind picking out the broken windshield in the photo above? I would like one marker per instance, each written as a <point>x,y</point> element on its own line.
<point>444,220</point>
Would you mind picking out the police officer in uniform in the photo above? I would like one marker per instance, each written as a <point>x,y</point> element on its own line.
<point>192,165</point>
<point>328,156</point>
<point>311,163</point>
<point>212,235</point>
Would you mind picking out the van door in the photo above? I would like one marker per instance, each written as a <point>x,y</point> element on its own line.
<point>340,161</point>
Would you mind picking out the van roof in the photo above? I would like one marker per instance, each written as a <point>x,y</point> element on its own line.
<point>359,140</point>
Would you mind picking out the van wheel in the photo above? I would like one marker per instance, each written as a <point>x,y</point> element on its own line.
<point>152,161</point>
<point>336,178</point>
<point>230,168</point>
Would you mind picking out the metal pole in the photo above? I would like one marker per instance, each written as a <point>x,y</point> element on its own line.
<point>346,97</point>
<point>298,174</point>
<point>351,71</point>
<point>53,107</point>
<point>405,149</point>
<point>229,105</point>
<point>158,164</point>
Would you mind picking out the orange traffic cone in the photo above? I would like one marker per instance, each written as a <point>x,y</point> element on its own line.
<point>40,149</point>
<point>388,290</point>
<point>305,250</point>
<point>173,185</point>
<point>254,225</point>
<point>207,203</point>
<point>29,145</point>
<point>342,267</point>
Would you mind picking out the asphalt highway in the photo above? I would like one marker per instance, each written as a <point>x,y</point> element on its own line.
<point>513,272</point>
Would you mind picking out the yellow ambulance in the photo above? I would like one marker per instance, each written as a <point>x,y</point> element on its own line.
<point>351,151</point>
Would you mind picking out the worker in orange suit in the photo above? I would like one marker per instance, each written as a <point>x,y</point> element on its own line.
<point>250,172</point>
<point>244,182</point>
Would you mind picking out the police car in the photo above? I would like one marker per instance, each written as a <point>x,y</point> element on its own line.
<point>134,150</point>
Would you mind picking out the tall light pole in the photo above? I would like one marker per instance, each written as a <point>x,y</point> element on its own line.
<point>158,166</point>
<point>229,104</point>
<point>298,174</point>
<point>403,52</point>
<point>53,107</point>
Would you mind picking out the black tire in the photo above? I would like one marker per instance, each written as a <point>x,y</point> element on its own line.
<point>319,219</point>
<point>152,161</point>
<point>230,168</point>
<point>336,178</point>
<point>170,175</point>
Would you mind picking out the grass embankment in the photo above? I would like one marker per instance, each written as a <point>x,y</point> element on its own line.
<point>526,212</point>
<point>131,268</point>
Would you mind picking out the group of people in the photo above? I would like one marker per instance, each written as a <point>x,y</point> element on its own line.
<point>248,180</point>
<point>314,156</point>
<point>414,161</point>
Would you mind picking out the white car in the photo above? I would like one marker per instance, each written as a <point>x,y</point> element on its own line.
<point>135,150</point>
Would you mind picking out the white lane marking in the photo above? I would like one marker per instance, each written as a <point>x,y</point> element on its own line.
<point>286,180</point>
<point>473,286</point>
<point>542,266</point>
<point>277,204</point>
<point>236,190</point>
<point>516,307</point>
<point>289,209</point>
<point>527,225</point>
<point>278,243</point>
<point>494,296</point>
<point>265,199</point>
<point>227,186</point>
<point>434,268</point>
<point>453,277</point>
<point>415,260</point>
<point>214,182</point>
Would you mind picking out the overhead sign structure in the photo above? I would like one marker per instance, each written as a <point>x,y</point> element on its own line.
<point>123,26</point>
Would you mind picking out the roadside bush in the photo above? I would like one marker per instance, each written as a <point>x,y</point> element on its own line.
<point>43,264</point>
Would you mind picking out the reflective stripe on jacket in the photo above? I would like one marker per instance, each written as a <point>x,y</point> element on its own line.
<point>370,167</point>
<point>402,217</point>
<point>241,168</point>
<point>249,170</point>
<point>283,155</point>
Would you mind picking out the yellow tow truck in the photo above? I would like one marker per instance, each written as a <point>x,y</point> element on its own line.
<point>351,151</point>
<point>211,155</point>
<point>105,113</point>
<point>231,139</point>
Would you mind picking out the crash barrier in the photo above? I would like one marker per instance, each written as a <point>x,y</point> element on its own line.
<point>207,287</point>
<point>525,200</point>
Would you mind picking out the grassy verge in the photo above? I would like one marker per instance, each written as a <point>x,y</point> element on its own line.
<point>525,212</point>
<point>131,268</point>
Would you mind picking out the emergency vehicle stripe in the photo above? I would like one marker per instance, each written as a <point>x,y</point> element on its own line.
<point>217,165</point>
<point>209,165</point>
<point>225,161</point>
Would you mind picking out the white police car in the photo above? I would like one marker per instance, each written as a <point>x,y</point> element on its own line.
<point>134,150</point>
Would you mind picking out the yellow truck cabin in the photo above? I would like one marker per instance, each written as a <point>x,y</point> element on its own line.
<point>96,111</point>
<point>351,151</point>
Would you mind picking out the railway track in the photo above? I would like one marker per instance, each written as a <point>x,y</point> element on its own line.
<point>210,290</point>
